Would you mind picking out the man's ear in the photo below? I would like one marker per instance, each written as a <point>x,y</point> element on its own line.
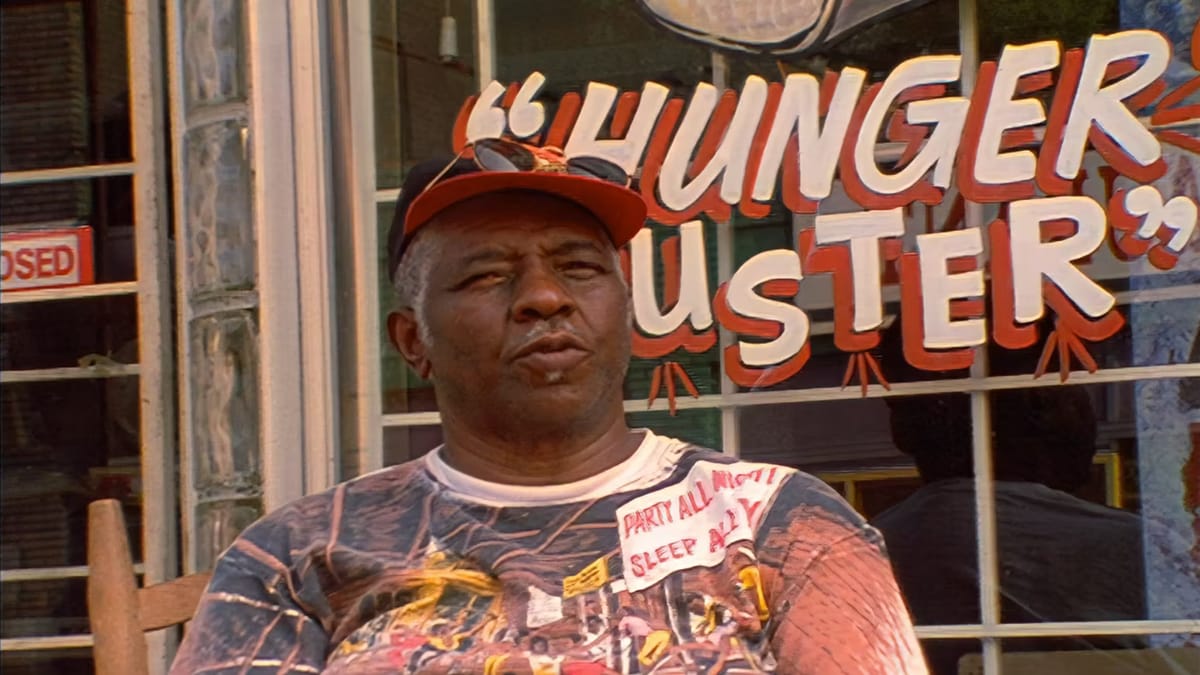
<point>406,336</point>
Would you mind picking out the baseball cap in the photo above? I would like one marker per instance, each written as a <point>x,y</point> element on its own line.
<point>621,210</point>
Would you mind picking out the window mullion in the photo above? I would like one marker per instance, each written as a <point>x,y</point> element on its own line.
<point>33,176</point>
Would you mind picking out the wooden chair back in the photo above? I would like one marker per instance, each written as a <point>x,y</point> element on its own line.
<point>119,611</point>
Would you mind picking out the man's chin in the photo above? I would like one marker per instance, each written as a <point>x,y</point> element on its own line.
<point>555,393</point>
<point>536,379</point>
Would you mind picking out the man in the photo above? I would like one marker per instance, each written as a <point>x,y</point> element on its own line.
<point>542,511</point>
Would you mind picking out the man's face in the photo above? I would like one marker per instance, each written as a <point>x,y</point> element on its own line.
<point>527,315</point>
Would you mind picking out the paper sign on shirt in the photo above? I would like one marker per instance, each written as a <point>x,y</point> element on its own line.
<point>690,524</point>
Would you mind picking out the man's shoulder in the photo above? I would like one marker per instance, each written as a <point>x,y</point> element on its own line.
<point>315,516</point>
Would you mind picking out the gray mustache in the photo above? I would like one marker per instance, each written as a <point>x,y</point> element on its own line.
<point>543,327</point>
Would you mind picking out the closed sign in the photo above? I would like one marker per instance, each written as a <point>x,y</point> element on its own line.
<point>46,258</point>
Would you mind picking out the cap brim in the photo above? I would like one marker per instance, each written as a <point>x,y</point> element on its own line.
<point>620,209</point>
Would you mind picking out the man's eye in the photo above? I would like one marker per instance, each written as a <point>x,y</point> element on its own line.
<point>581,269</point>
<point>481,279</point>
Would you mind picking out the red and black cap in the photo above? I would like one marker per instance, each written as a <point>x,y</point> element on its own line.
<point>621,210</point>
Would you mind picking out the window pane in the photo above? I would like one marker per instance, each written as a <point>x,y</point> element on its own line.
<point>1094,498</point>
<point>68,333</point>
<point>45,607</point>
<point>1034,656</point>
<point>401,444</point>
<point>1132,558</point>
<point>1094,517</point>
<point>821,437</point>
<point>418,90</point>
<point>603,41</point>
<point>64,87</point>
<point>877,47</point>
<point>402,390</point>
<point>702,426</point>
<point>65,444</point>
<point>1025,21</point>
<point>57,661</point>
<point>104,204</point>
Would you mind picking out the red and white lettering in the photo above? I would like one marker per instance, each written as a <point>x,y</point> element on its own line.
<point>729,159</point>
<point>625,152</point>
<point>797,120</point>
<point>693,301</point>
<point>1099,112</point>
<point>1033,258</point>
<point>863,231</point>
<point>45,258</point>
<point>741,310</point>
<point>939,287</point>
<point>526,117</point>
<point>947,113</point>
<point>992,167</point>
<point>487,119</point>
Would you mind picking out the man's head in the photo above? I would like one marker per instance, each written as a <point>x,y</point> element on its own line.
<point>512,301</point>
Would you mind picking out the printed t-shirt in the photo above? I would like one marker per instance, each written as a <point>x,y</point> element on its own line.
<point>678,558</point>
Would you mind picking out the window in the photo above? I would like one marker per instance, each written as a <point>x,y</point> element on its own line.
<point>1007,437</point>
<point>87,403</point>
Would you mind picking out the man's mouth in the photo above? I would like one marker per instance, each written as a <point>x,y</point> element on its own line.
<point>558,351</point>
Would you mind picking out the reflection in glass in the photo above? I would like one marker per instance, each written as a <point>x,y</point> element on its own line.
<point>225,434</point>
<point>67,661</point>
<point>418,90</point>
<point>64,86</point>
<point>1146,661</point>
<point>103,204</point>
<point>213,49</point>
<point>44,607</point>
<point>1093,487</point>
<point>1024,21</point>
<point>1061,557</point>
<point>218,523</point>
<point>603,41</point>
<point>64,444</point>
<point>69,333</point>
<point>699,426</point>
<point>403,444</point>
<point>401,388</point>
<point>219,222</point>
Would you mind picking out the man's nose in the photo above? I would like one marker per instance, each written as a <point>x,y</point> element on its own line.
<point>540,294</point>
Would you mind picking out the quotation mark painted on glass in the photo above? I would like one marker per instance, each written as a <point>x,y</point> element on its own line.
<point>1143,224</point>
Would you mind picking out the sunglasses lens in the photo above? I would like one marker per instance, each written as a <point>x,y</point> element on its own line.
<point>497,155</point>
<point>594,167</point>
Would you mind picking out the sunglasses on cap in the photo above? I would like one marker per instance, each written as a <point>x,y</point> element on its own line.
<point>497,154</point>
<point>490,165</point>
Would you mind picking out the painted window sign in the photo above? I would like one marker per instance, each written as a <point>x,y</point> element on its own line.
<point>896,146</point>
<point>45,257</point>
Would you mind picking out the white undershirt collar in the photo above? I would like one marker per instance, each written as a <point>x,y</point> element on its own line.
<point>652,461</point>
